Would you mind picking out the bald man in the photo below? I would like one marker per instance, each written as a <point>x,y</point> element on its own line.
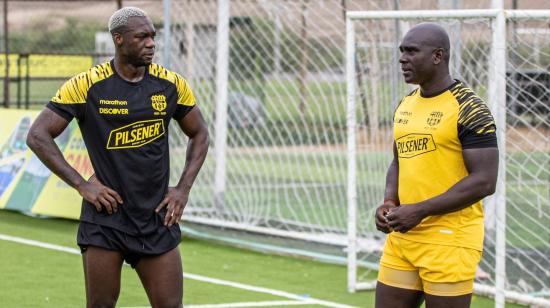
<point>445,161</point>
<point>129,213</point>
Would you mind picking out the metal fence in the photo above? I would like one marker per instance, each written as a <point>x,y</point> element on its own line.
<point>45,43</point>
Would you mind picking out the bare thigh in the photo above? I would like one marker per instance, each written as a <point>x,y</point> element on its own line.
<point>101,276</point>
<point>162,278</point>
<point>388,296</point>
<point>462,301</point>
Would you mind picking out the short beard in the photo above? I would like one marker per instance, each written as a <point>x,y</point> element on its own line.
<point>137,62</point>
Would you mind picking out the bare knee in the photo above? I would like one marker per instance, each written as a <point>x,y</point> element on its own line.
<point>103,299</point>
<point>102,303</point>
<point>168,303</point>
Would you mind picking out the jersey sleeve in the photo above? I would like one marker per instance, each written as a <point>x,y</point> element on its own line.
<point>476,126</point>
<point>186,98</point>
<point>70,100</point>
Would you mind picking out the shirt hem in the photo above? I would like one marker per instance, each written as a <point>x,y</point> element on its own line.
<point>443,243</point>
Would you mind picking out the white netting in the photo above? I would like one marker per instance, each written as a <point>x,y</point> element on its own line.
<point>286,163</point>
<point>194,56</point>
<point>286,147</point>
<point>528,156</point>
<point>527,138</point>
<point>286,159</point>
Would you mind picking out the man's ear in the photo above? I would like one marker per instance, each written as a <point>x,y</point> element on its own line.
<point>118,39</point>
<point>438,55</point>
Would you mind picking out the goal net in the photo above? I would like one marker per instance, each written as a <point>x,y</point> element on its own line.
<point>283,167</point>
<point>504,58</point>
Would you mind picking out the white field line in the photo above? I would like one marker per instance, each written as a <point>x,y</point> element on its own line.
<point>244,304</point>
<point>306,300</point>
<point>39,244</point>
<point>252,304</point>
<point>264,290</point>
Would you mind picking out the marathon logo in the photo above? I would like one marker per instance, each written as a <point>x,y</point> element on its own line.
<point>135,134</point>
<point>414,144</point>
<point>113,102</point>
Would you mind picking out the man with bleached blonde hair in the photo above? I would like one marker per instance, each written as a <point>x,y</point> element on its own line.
<point>128,213</point>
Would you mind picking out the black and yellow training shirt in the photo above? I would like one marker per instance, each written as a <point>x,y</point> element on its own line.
<point>125,128</point>
<point>430,134</point>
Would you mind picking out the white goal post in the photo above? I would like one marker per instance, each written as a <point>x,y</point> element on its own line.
<point>487,46</point>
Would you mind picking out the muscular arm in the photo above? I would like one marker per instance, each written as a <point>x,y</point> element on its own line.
<point>47,126</point>
<point>482,166</point>
<point>194,126</point>
<point>391,196</point>
<point>40,140</point>
<point>392,177</point>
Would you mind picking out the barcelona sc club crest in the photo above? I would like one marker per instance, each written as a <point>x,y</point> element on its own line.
<point>434,118</point>
<point>158,102</point>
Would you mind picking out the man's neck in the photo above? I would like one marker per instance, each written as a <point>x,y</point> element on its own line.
<point>128,71</point>
<point>436,85</point>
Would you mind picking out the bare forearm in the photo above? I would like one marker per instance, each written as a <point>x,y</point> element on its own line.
<point>48,152</point>
<point>392,179</point>
<point>392,176</point>
<point>482,167</point>
<point>481,182</point>
<point>463,194</point>
<point>196,154</point>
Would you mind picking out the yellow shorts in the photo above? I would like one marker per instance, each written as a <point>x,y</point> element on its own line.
<point>434,269</point>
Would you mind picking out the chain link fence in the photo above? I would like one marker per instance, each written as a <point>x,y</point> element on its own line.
<point>528,156</point>
<point>75,31</point>
<point>47,42</point>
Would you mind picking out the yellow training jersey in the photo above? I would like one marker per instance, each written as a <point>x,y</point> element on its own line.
<point>430,134</point>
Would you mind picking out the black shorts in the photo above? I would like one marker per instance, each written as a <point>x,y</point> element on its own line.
<point>133,248</point>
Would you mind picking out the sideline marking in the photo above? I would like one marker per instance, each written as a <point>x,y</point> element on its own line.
<point>304,300</point>
<point>244,304</point>
<point>253,304</point>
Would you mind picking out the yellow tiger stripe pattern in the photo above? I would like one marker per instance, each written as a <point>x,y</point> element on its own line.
<point>75,90</point>
<point>185,95</point>
<point>473,112</point>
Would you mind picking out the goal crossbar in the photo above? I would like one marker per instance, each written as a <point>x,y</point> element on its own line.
<point>417,14</point>
<point>454,14</point>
